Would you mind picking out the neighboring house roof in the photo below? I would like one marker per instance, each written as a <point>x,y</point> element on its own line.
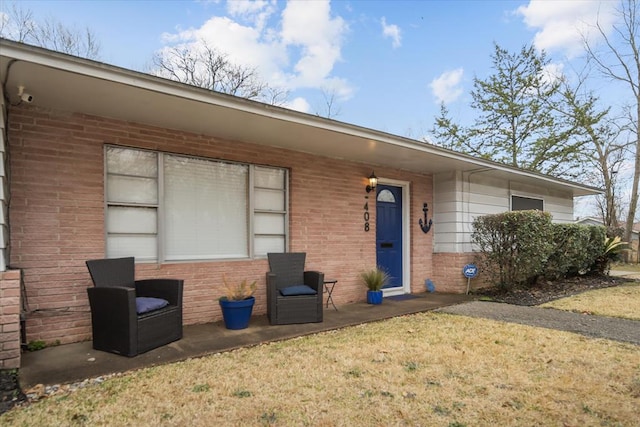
<point>595,221</point>
<point>589,220</point>
<point>62,82</point>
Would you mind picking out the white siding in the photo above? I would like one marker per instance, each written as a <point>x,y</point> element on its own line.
<point>448,215</point>
<point>4,185</point>
<point>460,197</point>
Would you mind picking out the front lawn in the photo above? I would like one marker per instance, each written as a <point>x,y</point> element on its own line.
<point>429,369</point>
<point>620,301</point>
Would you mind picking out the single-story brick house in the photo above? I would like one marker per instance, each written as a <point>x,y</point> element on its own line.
<point>100,161</point>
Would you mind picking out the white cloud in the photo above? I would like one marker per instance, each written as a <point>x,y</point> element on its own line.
<point>391,31</point>
<point>297,48</point>
<point>256,12</point>
<point>310,27</point>
<point>562,24</point>
<point>552,72</point>
<point>298,104</point>
<point>446,88</point>
<point>339,87</point>
<point>248,7</point>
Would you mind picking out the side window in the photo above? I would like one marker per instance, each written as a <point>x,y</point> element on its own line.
<point>269,210</point>
<point>132,203</point>
<point>519,203</point>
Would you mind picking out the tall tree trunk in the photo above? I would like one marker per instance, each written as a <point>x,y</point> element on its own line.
<point>633,205</point>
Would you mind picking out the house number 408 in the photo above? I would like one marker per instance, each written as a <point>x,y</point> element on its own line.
<point>366,216</point>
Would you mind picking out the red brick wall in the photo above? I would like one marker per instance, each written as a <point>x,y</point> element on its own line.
<point>10,319</point>
<point>57,217</point>
<point>447,272</point>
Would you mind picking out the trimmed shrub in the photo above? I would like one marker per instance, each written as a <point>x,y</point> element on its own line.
<point>518,247</point>
<point>573,253</point>
<point>514,246</point>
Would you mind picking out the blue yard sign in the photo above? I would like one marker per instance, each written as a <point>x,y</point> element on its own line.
<point>470,271</point>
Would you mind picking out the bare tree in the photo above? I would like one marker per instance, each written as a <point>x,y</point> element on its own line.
<point>330,107</point>
<point>54,35</point>
<point>18,23</point>
<point>275,96</point>
<point>620,61</point>
<point>604,146</point>
<point>207,67</point>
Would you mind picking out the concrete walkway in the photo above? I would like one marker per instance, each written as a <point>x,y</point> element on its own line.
<point>75,362</point>
<point>612,328</point>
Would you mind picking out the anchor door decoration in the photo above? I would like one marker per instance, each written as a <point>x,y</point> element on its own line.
<point>424,225</point>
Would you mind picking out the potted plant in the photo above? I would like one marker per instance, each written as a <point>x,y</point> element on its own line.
<point>237,304</point>
<point>374,279</point>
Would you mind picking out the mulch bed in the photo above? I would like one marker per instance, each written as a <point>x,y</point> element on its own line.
<point>11,394</point>
<point>549,291</point>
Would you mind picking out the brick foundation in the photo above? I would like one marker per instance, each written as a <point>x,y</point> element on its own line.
<point>10,319</point>
<point>447,272</point>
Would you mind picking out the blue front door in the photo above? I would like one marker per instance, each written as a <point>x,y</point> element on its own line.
<point>389,232</point>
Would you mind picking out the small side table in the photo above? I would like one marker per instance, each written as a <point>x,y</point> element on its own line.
<point>328,289</point>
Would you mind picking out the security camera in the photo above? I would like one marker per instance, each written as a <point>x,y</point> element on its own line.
<point>24,96</point>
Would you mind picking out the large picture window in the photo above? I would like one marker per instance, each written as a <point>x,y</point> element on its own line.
<point>166,207</point>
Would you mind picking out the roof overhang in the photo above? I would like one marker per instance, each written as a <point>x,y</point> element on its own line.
<point>62,82</point>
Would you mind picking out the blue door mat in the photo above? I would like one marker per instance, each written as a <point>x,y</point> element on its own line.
<point>402,297</point>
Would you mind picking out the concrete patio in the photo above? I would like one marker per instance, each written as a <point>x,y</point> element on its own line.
<point>76,362</point>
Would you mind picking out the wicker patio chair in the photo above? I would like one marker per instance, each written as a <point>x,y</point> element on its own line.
<point>129,316</point>
<point>293,295</point>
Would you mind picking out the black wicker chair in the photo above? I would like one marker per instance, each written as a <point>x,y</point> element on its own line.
<point>117,326</point>
<point>293,295</point>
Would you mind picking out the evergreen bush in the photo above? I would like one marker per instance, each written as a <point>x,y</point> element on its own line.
<point>518,247</point>
<point>572,254</point>
<point>514,246</point>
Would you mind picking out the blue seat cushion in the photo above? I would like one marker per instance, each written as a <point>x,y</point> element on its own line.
<point>297,290</point>
<point>147,304</point>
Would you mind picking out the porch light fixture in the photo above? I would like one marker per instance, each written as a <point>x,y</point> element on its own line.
<point>373,181</point>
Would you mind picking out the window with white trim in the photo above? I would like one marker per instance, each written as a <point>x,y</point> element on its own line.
<point>167,207</point>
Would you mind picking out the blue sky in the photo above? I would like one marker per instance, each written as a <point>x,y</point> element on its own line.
<point>388,63</point>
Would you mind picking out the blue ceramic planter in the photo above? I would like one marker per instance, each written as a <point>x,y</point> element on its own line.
<point>374,297</point>
<point>237,314</point>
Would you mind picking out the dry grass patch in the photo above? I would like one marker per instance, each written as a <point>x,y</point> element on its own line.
<point>626,267</point>
<point>619,301</point>
<point>426,369</point>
